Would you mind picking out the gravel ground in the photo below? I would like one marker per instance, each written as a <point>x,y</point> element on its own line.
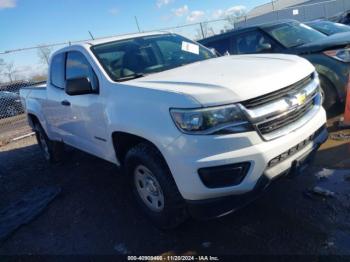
<point>95,214</point>
<point>13,127</point>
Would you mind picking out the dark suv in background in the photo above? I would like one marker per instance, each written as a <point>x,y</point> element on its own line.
<point>343,18</point>
<point>329,54</point>
<point>328,28</point>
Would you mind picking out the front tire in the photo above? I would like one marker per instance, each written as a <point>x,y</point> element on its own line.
<point>154,187</point>
<point>52,150</point>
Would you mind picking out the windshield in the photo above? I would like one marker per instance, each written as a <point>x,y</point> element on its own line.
<point>293,34</point>
<point>330,28</point>
<point>131,58</point>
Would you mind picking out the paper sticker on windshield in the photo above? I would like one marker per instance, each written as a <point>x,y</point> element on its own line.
<point>189,47</point>
<point>296,12</point>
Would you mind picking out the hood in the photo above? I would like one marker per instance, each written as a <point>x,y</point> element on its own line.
<point>230,79</point>
<point>330,42</point>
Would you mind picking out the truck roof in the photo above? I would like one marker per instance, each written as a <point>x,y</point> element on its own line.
<point>87,44</point>
<point>123,37</point>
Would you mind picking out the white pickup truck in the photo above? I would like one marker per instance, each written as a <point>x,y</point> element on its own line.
<point>196,134</point>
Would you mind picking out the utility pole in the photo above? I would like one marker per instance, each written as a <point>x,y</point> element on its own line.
<point>137,24</point>
<point>273,5</point>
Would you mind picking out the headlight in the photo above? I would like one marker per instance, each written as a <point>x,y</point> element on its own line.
<point>340,54</point>
<point>211,120</point>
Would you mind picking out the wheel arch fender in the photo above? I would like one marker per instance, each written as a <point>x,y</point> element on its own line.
<point>124,141</point>
<point>331,76</point>
<point>35,117</point>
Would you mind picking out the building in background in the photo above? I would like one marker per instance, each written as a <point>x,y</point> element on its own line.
<point>302,10</point>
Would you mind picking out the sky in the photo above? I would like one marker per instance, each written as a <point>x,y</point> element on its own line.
<point>26,23</point>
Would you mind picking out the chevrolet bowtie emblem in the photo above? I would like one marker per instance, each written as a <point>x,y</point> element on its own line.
<point>301,98</point>
<point>296,99</point>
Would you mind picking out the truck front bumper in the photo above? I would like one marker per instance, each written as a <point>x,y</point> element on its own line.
<point>188,154</point>
<point>217,207</point>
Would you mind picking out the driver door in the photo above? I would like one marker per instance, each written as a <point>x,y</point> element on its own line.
<point>87,124</point>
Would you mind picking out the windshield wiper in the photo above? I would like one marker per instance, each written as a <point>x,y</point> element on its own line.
<point>130,77</point>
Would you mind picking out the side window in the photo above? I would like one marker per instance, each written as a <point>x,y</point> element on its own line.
<point>77,66</point>
<point>252,42</point>
<point>221,45</point>
<point>57,74</point>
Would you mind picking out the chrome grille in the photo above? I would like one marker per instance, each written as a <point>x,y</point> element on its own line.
<point>275,124</point>
<point>280,112</point>
<point>261,100</point>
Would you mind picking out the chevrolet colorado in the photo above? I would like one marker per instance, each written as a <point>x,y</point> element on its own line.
<point>196,134</point>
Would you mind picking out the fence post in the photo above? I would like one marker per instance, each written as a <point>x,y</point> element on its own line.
<point>202,29</point>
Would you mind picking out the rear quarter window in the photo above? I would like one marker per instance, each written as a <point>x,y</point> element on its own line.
<point>57,70</point>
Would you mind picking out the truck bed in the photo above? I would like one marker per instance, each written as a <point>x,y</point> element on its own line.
<point>41,85</point>
<point>37,91</point>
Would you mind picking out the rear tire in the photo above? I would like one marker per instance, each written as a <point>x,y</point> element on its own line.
<point>52,150</point>
<point>154,187</point>
<point>329,95</point>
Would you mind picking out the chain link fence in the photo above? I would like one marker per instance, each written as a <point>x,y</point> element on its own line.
<point>197,31</point>
<point>13,122</point>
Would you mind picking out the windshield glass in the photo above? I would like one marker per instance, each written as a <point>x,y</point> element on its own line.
<point>293,34</point>
<point>131,58</point>
<point>330,28</point>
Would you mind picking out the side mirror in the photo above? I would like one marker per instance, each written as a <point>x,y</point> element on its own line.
<point>214,52</point>
<point>79,86</point>
<point>265,46</point>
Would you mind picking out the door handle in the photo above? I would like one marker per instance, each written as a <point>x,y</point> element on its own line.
<point>65,103</point>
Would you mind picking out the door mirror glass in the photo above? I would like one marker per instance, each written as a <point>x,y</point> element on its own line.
<point>79,86</point>
<point>214,51</point>
<point>265,46</point>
